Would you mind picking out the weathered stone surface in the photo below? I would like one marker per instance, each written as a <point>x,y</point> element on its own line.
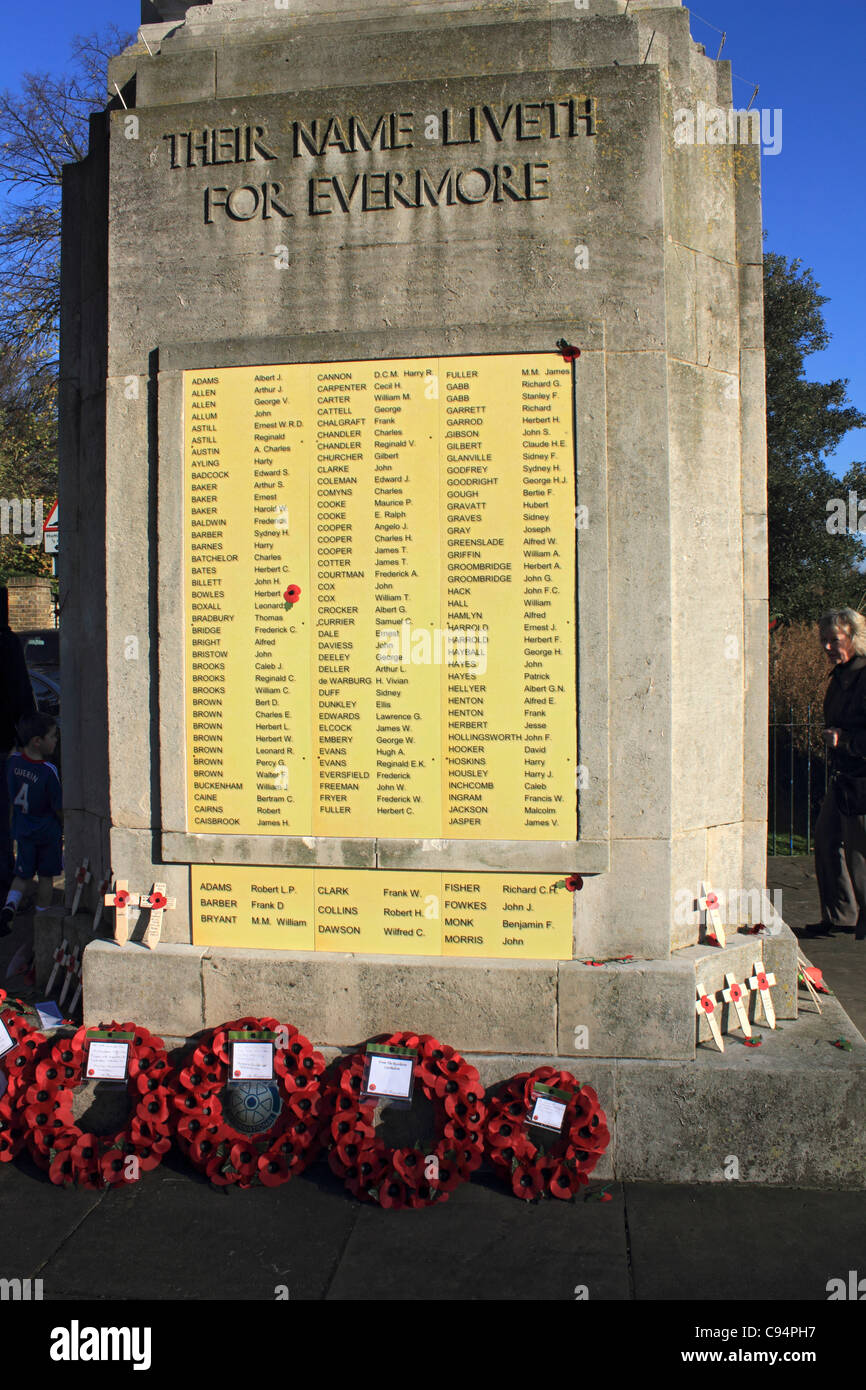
<point>342,999</point>
<point>791,1111</point>
<point>160,989</point>
<point>639,1009</point>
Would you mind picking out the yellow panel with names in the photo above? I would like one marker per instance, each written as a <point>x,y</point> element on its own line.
<point>379,570</point>
<point>264,908</point>
<point>383,912</point>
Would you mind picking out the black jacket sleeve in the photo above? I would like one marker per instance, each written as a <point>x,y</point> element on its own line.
<point>16,693</point>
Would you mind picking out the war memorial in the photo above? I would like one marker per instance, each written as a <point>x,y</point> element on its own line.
<point>413,439</point>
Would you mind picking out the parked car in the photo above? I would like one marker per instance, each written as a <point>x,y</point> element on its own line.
<point>41,647</point>
<point>46,693</point>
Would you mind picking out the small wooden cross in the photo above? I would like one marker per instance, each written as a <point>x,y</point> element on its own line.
<point>60,960</point>
<point>104,887</point>
<point>121,900</point>
<point>708,902</point>
<point>734,995</point>
<point>71,972</point>
<point>760,982</point>
<point>706,1004</point>
<point>157,902</point>
<point>83,876</point>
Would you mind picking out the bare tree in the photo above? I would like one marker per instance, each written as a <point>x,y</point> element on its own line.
<point>42,127</point>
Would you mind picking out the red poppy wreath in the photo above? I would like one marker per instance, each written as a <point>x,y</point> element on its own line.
<point>564,1166</point>
<point>18,1066</point>
<point>75,1158</point>
<point>414,1176</point>
<point>205,1131</point>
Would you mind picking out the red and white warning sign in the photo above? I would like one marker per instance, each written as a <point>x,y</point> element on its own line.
<point>51,529</point>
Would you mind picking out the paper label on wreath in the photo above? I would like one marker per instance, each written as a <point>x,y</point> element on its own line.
<point>107,1061</point>
<point>389,1073</point>
<point>6,1040</point>
<point>49,1014</point>
<point>548,1112</point>
<point>252,1061</point>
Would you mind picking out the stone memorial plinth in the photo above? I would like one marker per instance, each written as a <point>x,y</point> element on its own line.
<point>411,612</point>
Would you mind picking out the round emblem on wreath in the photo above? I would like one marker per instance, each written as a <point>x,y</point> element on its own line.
<point>257,1131</point>
<point>252,1107</point>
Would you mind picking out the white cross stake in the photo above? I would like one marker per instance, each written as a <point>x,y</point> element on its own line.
<point>709,904</point>
<point>760,982</point>
<point>104,887</point>
<point>157,902</point>
<point>83,876</point>
<point>71,972</point>
<point>121,900</point>
<point>706,1004</point>
<point>803,968</point>
<point>60,960</point>
<point>734,995</point>
<point>79,975</point>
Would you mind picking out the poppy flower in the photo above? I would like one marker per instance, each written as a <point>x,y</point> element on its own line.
<point>214,1171</point>
<point>564,1182</point>
<point>44,1117</point>
<point>112,1166</point>
<point>469,1158</point>
<point>273,1170</point>
<point>526,1183</point>
<point>459,1107</point>
<point>292,594</point>
<point>448,1177</point>
<point>392,1195</point>
<point>203,1149</point>
<point>85,1159</point>
<point>502,1131</point>
<point>409,1164</point>
<point>121,899</point>
<point>306,1106</point>
<point>62,1170</point>
<point>189,1127</point>
<point>150,1155</point>
<point>244,1159</point>
<point>574,883</point>
<point>156,902</point>
<point>154,1108</point>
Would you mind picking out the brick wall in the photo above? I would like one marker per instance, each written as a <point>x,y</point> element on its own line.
<point>30,601</point>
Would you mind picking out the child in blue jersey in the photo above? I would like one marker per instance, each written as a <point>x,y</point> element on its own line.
<point>37,826</point>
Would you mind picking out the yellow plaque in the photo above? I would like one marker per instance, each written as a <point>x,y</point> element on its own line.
<point>382,912</point>
<point>380,581</point>
<point>377,912</point>
<point>267,908</point>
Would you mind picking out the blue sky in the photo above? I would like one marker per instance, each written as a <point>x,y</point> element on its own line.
<point>808,61</point>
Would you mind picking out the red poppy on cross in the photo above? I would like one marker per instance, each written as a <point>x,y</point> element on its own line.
<point>734,995</point>
<point>760,984</point>
<point>705,1004</point>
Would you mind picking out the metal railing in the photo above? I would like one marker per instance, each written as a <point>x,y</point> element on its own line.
<point>798,779</point>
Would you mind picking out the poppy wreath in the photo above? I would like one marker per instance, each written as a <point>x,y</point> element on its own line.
<point>18,1066</point>
<point>210,1142</point>
<point>74,1158</point>
<point>406,1177</point>
<point>564,1167</point>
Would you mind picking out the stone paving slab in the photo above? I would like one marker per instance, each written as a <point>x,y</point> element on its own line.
<point>485,1244</point>
<point>740,1242</point>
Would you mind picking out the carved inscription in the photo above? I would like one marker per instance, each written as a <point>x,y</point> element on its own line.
<point>382,190</point>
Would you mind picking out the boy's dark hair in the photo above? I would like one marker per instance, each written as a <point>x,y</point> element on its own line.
<point>34,726</point>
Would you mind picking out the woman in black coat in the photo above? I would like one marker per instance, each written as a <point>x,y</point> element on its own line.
<point>840,832</point>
